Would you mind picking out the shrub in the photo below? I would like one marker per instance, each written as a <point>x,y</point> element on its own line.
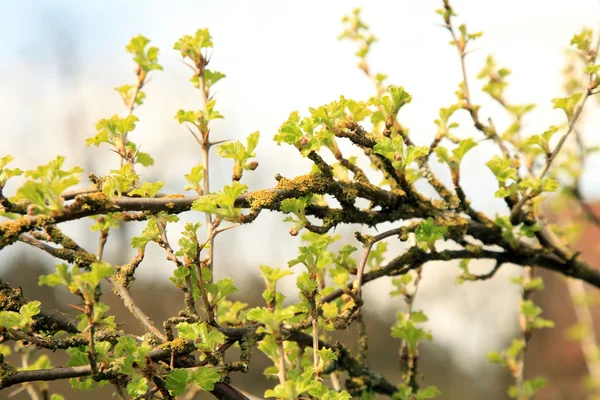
<point>376,188</point>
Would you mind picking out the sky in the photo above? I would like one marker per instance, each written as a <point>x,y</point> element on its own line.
<point>60,60</point>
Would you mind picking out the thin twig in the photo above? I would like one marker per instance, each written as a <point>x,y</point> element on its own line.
<point>357,285</point>
<point>137,312</point>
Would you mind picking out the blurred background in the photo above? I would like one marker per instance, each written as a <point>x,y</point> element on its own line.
<point>59,63</point>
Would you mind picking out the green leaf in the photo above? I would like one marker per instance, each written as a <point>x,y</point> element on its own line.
<point>176,381</point>
<point>443,155</point>
<point>138,386</point>
<point>194,179</point>
<point>568,104</point>
<point>393,149</point>
<point>406,329</point>
<point>273,275</point>
<point>290,131</point>
<point>428,233</point>
<point>221,289</point>
<point>191,46</point>
<point>128,91</point>
<point>6,173</point>
<point>503,169</point>
<point>188,116</point>
<point>12,320</point>
<point>46,184</point>
<point>210,78</point>
<point>463,147</point>
<point>583,40</point>
<point>149,234</point>
<point>327,355</point>
<point>296,207</point>
<point>60,277</point>
<point>240,153</point>
<point>222,203</point>
<point>430,392</point>
<point>147,59</point>
<point>495,357</point>
<point>148,189</point>
<point>113,130</point>
<point>88,281</point>
<point>29,310</point>
<point>203,338</point>
<point>206,378</point>
<point>543,140</point>
<point>144,159</point>
<point>119,181</point>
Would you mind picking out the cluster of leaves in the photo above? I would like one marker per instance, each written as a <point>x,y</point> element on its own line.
<point>511,358</point>
<point>113,131</point>
<point>240,154</point>
<point>311,133</point>
<point>43,190</point>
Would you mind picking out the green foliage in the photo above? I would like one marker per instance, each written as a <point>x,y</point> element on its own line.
<point>428,233</point>
<point>147,189</point>
<point>583,40</point>
<point>457,154</point>
<point>222,203</point>
<point>127,92</point>
<point>528,388</point>
<point>113,131</point>
<point>377,255</point>
<point>400,155</point>
<point>146,58</point>
<point>401,283</point>
<point>45,185</point>
<point>390,104</point>
<point>192,46</point>
<point>306,384</point>
<point>568,104</point>
<point>176,381</point>
<point>271,277</point>
<point>443,122</point>
<point>296,207</point>
<point>7,173</point>
<point>503,169</point>
<point>311,254</point>
<point>124,360</point>
<point>496,79</point>
<point>194,179</point>
<point>131,353</point>
<point>138,386</point>
<point>199,119</point>
<point>511,235</point>
<point>21,320</point>
<point>406,392</point>
<point>240,154</point>
<point>406,328</point>
<point>205,339</point>
<point>543,140</point>
<point>83,283</point>
<point>119,181</point>
<point>205,377</point>
<point>272,319</point>
<point>531,313</point>
<point>189,241</point>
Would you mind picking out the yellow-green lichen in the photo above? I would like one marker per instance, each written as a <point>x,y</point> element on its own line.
<point>305,184</point>
<point>262,199</point>
<point>177,346</point>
